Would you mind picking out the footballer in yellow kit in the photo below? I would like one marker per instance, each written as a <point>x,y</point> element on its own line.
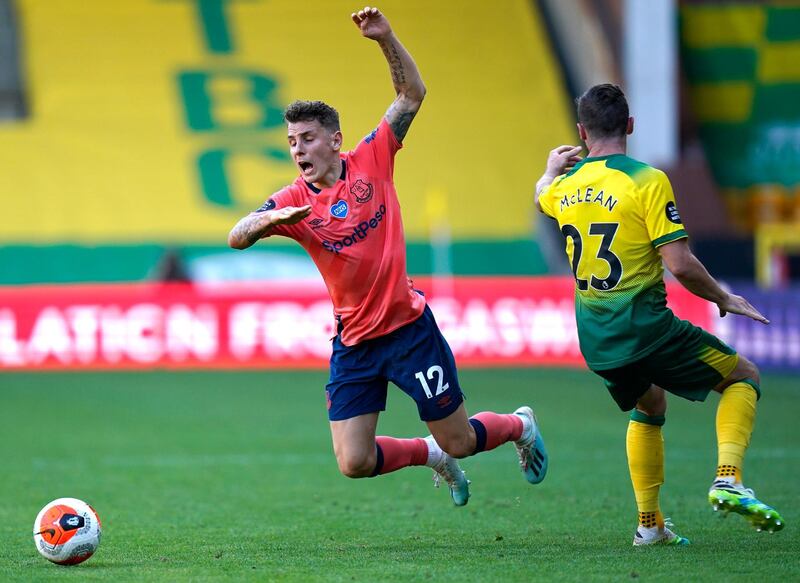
<point>614,213</point>
<point>620,224</point>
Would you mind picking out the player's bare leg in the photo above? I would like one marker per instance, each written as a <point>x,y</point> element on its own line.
<point>735,419</point>
<point>454,434</point>
<point>354,445</point>
<point>645,449</point>
<point>360,454</point>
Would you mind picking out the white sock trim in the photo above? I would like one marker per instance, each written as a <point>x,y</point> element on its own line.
<point>435,453</point>
<point>527,426</point>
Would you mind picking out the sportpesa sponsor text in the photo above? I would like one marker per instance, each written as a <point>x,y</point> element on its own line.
<point>360,232</point>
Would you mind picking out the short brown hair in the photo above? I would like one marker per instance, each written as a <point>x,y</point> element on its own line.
<point>603,111</point>
<point>312,111</point>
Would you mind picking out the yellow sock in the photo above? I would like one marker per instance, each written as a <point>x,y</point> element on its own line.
<point>736,415</point>
<point>651,519</point>
<point>645,447</point>
<point>728,471</point>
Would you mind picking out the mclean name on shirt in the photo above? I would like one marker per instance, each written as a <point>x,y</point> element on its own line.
<point>589,196</point>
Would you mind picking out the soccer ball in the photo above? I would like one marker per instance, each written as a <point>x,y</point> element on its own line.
<point>67,531</point>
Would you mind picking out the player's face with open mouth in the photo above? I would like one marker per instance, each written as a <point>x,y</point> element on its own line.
<point>314,149</point>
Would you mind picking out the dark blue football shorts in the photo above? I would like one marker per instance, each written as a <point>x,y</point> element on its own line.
<point>415,357</point>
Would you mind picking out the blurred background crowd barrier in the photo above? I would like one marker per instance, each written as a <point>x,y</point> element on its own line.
<point>134,133</point>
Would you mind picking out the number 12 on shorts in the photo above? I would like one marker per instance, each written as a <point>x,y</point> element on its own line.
<point>441,386</point>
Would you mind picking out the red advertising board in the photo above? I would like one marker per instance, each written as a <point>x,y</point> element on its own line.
<point>488,322</point>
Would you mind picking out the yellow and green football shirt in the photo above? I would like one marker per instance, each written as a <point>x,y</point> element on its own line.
<point>614,212</point>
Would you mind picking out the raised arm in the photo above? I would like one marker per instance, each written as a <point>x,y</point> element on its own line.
<point>693,275</point>
<point>560,160</point>
<point>405,75</point>
<point>258,225</point>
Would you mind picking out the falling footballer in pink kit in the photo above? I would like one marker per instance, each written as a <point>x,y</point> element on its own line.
<point>354,235</point>
<point>343,209</point>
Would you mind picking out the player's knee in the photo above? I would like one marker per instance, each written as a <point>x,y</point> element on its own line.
<point>356,466</point>
<point>752,372</point>
<point>459,446</point>
<point>653,411</point>
<point>744,370</point>
<point>654,405</point>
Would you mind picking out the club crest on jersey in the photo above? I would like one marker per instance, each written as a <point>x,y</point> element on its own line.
<point>672,213</point>
<point>362,191</point>
<point>340,210</point>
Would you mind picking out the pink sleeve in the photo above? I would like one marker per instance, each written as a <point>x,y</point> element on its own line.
<point>378,150</point>
<point>284,197</point>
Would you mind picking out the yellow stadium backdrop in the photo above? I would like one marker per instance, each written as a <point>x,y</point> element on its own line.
<point>158,122</point>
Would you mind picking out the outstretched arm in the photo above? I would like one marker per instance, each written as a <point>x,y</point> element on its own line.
<point>405,75</point>
<point>692,275</point>
<point>255,226</point>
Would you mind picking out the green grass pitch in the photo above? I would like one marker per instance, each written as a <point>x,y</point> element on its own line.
<point>230,476</point>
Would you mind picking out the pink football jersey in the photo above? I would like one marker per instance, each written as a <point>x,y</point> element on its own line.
<point>355,237</point>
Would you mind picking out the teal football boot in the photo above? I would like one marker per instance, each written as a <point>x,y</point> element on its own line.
<point>448,470</point>
<point>530,447</point>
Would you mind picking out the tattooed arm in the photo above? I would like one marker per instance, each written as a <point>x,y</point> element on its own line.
<point>405,75</point>
<point>255,226</point>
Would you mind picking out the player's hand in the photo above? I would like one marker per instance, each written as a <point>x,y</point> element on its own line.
<point>562,159</point>
<point>571,162</point>
<point>372,23</point>
<point>738,305</point>
<point>290,215</point>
